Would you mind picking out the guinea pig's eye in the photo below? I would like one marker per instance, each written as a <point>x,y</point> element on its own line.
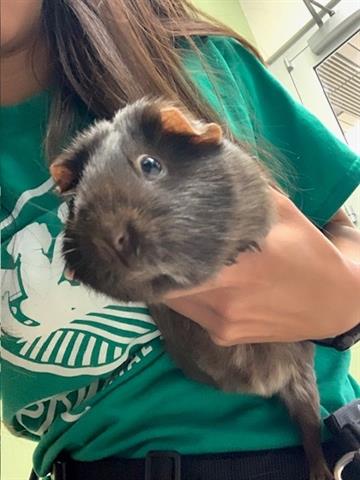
<point>150,167</point>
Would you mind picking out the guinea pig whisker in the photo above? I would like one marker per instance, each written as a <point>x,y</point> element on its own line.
<point>70,250</point>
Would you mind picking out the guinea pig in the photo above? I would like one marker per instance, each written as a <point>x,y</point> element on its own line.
<point>162,201</point>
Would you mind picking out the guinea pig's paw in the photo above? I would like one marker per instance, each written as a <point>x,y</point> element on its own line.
<point>252,246</point>
<point>230,261</point>
<point>243,247</point>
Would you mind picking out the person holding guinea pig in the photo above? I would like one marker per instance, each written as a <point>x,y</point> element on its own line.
<point>87,377</point>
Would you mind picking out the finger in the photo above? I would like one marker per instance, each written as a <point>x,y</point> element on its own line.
<point>247,339</point>
<point>196,311</point>
<point>249,265</point>
<point>222,342</point>
<point>213,324</point>
<point>204,287</point>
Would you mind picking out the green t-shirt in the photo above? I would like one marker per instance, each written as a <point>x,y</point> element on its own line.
<point>83,373</point>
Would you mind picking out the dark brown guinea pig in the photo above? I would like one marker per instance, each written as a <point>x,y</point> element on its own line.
<point>161,201</point>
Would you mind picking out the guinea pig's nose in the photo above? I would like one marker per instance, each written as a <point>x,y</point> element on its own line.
<point>126,242</point>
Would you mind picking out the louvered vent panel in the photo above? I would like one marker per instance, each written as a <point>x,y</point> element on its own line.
<point>340,77</point>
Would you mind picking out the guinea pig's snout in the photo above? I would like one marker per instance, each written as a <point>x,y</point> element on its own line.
<point>125,241</point>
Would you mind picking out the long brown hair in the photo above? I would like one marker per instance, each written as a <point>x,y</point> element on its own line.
<point>107,53</point>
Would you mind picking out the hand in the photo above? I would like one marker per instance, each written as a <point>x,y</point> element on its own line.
<point>299,287</point>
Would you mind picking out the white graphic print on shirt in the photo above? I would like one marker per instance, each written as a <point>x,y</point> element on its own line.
<point>37,417</point>
<point>61,327</point>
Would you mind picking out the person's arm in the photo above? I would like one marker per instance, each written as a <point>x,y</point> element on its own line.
<point>302,285</point>
<point>299,287</point>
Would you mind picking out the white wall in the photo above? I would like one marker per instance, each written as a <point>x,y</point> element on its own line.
<point>229,12</point>
<point>274,22</point>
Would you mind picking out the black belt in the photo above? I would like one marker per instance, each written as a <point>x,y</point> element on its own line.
<point>278,464</point>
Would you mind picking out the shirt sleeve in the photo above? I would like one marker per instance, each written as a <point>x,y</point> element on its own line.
<point>323,170</point>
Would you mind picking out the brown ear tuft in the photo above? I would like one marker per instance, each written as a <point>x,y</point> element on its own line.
<point>174,121</point>
<point>212,135</point>
<point>62,174</point>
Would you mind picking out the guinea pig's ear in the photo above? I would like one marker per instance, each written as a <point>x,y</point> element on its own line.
<point>68,167</point>
<point>174,121</point>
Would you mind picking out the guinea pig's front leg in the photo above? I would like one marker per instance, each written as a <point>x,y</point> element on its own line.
<point>301,398</point>
<point>243,246</point>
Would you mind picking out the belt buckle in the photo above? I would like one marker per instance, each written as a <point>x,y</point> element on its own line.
<point>344,461</point>
<point>158,456</point>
